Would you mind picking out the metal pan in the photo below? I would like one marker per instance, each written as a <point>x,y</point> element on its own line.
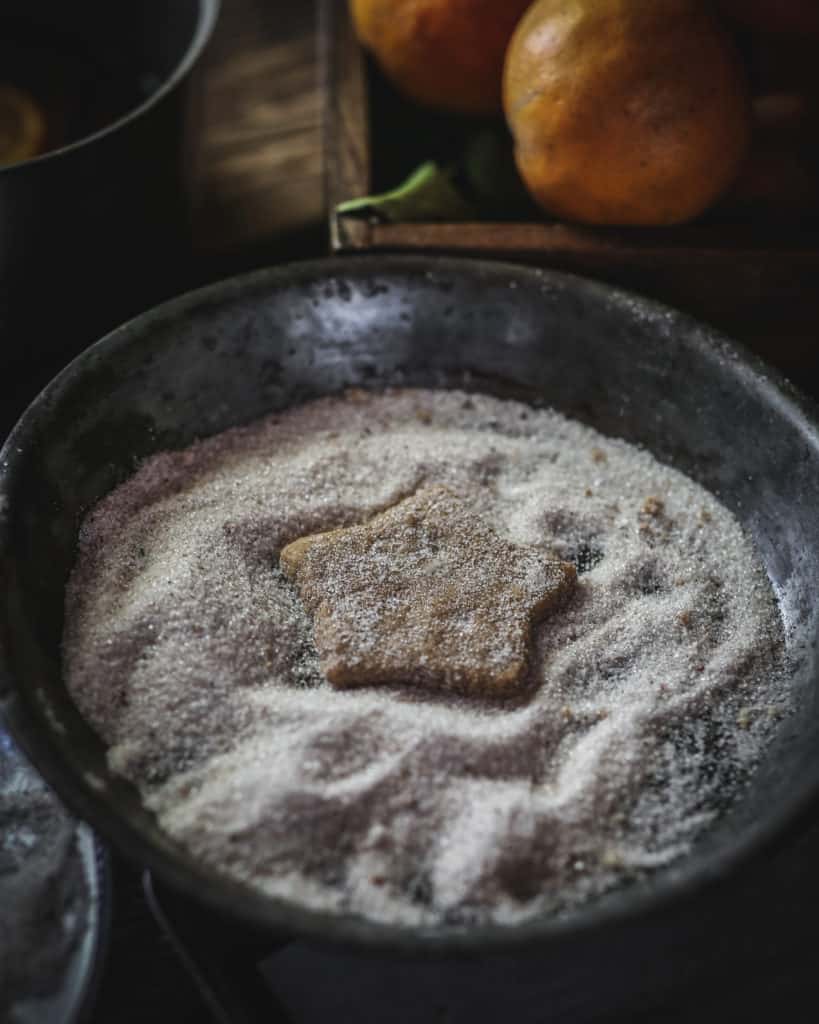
<point>93,218</point>
<point>241,348</point>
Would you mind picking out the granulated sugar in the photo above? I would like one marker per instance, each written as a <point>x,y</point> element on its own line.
<point>653,689</point>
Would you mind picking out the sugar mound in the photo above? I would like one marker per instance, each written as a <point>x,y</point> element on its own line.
<point>659,682</point>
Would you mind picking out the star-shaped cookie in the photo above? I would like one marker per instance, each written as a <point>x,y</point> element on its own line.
<point>424,593</point>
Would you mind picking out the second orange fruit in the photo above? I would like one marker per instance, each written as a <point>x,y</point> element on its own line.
<point>446,54</point>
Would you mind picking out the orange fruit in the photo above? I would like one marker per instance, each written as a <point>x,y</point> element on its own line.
<point>443,53</point>
<point>625,111</point>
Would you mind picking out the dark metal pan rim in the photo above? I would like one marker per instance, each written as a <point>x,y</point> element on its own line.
<point>279,917</point>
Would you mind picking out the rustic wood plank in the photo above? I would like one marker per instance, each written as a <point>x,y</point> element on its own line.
<point>260,172</point>
<point>346,123</point>
<point>724,239</point>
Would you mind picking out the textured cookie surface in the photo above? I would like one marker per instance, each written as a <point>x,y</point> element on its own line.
<point>427,593</point>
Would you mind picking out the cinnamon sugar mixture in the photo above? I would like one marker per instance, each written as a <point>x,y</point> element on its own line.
<point>650,692</point>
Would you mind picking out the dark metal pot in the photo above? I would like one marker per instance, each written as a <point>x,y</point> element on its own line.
<point>244,347</point>
<point>89,228</point>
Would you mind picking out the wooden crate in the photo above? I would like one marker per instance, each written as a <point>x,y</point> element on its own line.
<point>757,281</point>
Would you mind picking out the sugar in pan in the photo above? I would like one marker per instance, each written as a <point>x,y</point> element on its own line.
<point>649,694</point>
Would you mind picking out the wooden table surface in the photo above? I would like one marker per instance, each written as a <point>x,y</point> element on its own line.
<point>259,192</point>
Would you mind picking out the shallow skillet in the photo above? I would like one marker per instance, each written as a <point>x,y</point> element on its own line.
<point>241,348</point>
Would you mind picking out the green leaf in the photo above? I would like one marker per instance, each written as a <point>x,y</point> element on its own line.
<point>428,194</point>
